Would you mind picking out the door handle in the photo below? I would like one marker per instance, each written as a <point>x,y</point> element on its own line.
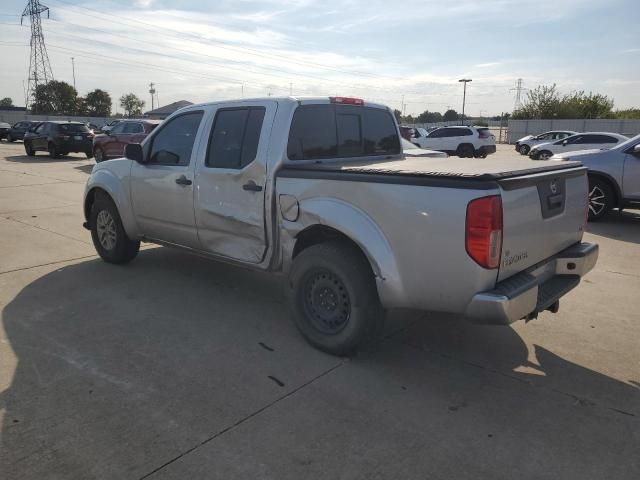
<point>252,186</point>
<point>182,180</point>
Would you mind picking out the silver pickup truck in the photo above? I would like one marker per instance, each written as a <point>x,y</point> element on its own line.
<point>319,190</point>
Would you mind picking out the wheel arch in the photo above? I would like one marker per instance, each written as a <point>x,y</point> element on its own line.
<point>105,182</point>
<point>323,219</point>
<point>615,188</point>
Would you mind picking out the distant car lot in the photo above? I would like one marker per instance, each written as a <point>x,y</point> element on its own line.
<point>196,366</point>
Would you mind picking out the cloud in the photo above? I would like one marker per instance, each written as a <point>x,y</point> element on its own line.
<point>487,65</point>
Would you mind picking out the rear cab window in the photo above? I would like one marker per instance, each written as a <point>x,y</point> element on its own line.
<point>323,131</point>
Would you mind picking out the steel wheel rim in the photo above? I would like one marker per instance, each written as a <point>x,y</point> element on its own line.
<point>544,156</point>
<point>106,230</point>
<point>597,200</point>
<point>326,301</point>
<point>523,150</point>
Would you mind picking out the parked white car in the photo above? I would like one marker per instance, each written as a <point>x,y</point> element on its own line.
<point>410,150</point>
<point>524,145</point>
<point>461,141</point>
<point>579,141</point>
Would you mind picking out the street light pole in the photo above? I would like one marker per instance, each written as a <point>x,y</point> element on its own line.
<point>73,69</point>
<point>464,94</point>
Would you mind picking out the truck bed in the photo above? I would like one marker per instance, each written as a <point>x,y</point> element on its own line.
<point>474,172</point>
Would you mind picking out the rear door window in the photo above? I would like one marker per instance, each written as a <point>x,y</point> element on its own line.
<point>133,127</point>
<point>341,131</point>
<point>235,137</point>
<point>72,128</point>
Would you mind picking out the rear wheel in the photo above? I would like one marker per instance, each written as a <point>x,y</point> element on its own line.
<point>28,148</point>
<point>89,154</point>
<point>545,155</point>
<point>10,138</point>
<point>108,234</point>
<point>333,297</point>
<point>524,149</point>
<point>465,150</point>
<point>600,199</point>
<point>53,150</point>
<point>99,155</point>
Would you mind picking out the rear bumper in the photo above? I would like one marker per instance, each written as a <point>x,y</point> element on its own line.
<point>534,290</point>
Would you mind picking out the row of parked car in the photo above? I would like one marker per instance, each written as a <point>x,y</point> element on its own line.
<point>545,145</point>
<point>63,137</point>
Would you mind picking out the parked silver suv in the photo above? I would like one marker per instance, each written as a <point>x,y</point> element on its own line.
<point>614,176</point>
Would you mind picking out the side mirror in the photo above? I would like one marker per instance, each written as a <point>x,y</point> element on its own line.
<point>133,151</point>
<point>636,149</point>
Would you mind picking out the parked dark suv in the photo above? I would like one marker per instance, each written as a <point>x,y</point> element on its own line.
<point>17,131</point>
<point>59,138</point>
<point>4,130</point>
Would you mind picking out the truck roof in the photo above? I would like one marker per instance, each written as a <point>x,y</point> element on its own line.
<point>283,99</point>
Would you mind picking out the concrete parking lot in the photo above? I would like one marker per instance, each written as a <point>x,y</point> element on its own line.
<point>175,367</point>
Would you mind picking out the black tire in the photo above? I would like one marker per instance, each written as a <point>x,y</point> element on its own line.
<point>99,155</point>
<point>544,155</point>
<point>89,154</point>
<point>465,151</point>
<point>53,151</point>
<point>110,241</point>
<point>10,138</point>
<point>333,297</point>
<point>28,148</point>
<point>524,149</point>
<point>600,199</point>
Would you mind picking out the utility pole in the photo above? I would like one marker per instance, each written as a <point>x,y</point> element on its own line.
<point>73,69</point>
<point>518,89</point>
<point>152,91</point>
<point>39,66</point>
<point>464,94</point>
<point>404,105</point>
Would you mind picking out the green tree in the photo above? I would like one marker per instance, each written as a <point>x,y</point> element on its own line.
<point>6,102</point>
<point>98,103</point>
<point>450,115</point>
<point>629,113</point>
<point>398,114</point>
<point>132,105</point>
<point>58,98</point>
<point>545,101</point>
<point>429,117</point>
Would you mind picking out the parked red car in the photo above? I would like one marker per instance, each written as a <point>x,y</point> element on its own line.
<point>113,143</point>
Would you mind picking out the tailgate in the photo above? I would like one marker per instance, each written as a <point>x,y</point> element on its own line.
<point>543,214</point>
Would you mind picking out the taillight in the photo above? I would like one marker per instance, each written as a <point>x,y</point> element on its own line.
<point>483,134</point>
<point>347,100</point>
<point>484,231</point>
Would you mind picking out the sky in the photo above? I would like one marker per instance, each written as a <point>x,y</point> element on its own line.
<point>408,55</point>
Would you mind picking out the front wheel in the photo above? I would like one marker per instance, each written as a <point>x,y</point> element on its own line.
<point>524,149</point>
<point>600,199</point>
<point>28,148</point>
<point>545,155</point>
<point>107,232</point>
<point>333,297</point>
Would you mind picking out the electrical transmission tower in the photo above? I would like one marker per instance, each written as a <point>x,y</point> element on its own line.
<point>39,66</point>
<point>518,89</point>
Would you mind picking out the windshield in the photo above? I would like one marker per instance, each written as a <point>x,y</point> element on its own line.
<point>73,127</point>
<point>628,143</point>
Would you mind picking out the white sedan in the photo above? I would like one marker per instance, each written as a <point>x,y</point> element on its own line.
<point>579,141</point>
<point>524,145</point>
